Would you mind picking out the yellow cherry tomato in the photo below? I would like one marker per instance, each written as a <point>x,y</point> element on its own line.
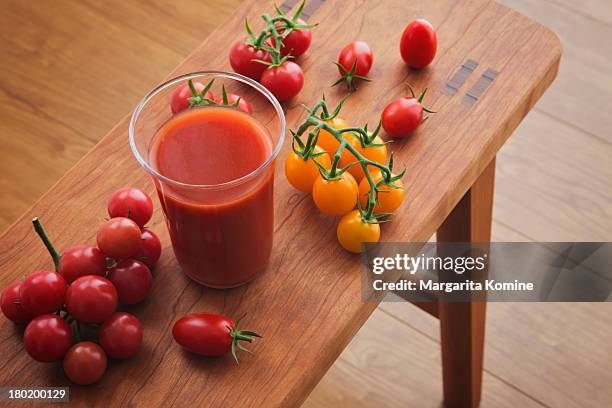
<point>326,140</point>
<point>346,158</point>
<point>335,197</point>
<point>377,154</point>
<point>389,198</point>
<point>352,231</point>
<point>303,173</point>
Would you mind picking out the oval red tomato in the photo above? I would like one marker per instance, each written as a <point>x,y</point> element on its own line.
<point>243,59</point>
<point>419,44</point>
<point>11,304</point>
<point>358,51</point>
<point>42,292</point>
<point>402,116</point>
<point>180,97</point>
<point>119,238</point>
<point>81,260</point>
<point>284,81</point>
<point>121,335</point>
<point>85,363</point>
<point>297,42</point>
<point>47,338</point>
<point>91,299</point>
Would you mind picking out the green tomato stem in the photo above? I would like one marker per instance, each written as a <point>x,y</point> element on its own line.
<point>45,239</point>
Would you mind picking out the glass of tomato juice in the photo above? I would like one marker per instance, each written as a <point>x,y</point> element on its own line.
<point>213,168</point>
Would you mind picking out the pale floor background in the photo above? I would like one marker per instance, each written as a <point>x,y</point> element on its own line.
<point>69,70</point>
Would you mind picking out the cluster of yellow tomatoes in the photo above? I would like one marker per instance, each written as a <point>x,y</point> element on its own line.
<point>345,191</point>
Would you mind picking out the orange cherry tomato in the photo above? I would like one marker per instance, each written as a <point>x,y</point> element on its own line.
<point>389,198</point>
<point>353,230</point>
<point>335,197</point>
<point>303,173</point>
<point>326,140</point>
<point>377,154</point>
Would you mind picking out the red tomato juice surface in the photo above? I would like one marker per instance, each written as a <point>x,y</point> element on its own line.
<point>221,234</point>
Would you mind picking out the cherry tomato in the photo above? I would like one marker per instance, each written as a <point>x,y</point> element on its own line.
<point>326,140</point>
<point>11,304</point>
<point>180,98</point>
<point>132,279</point>
<point>81,260</point>
<point>347,158</point>
<point>208,334</point>
<point>418,44</point>
<point>297,42</point>
<point>356,51</point>
<point>353,230</point>
<point>375,151</point>
<point>119,238</point>
<point>132,203</point>
<point>302,174</point>
<point>42,292</point>
<point>389,198</point>
<point>285,81</point>
<point>149,249</point>
<point>91,299</point>
<point>121,335</point>
<point>335,197</point>
<point>243,104</point>
<point>47,338</point>
<point>402,116</point>
<point>243,60</point>
<point>85,363</point>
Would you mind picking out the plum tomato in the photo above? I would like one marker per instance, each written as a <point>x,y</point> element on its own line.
<point>243,104</point>
<point>81,260</point>
<point>11,304</point>
<point>85,363</point>
<point>297,42</point>
<point>132,203</point>
<point>326,140</point>
<point>284,81</point>
<point>120,335</point>
<point>180,97</point>
<point>91,299</point>
<point>149,249</point>
<point>335,197</point>
<point>353,230</point>
<point>42,292</point>
<point>389,198</point>
<point>243,59</point>
<point>358,51</point>
<point>303,173</point>
<point>210,334</point>
<point>402,116</point>
<point>418,44</point>
<point>119,238</point>
<point>47,338</point>
<point>132,279</point>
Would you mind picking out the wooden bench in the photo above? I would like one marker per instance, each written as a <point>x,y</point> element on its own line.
<point>492,66</point>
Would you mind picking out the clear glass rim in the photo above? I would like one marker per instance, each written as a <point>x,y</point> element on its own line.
<point>193,75</point>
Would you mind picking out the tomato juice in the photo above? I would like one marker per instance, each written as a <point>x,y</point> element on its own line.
<point>219,207</point>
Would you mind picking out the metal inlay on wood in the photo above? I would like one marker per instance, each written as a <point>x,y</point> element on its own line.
<point>459,78</point>
<point>471,97</point>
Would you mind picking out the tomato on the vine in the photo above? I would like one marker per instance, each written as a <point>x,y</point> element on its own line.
<point>419,44</point>
<point>120,335</point>
<point>11,304</point>
<point>353,231</point>
<point>243,58</point>
<point>301,173</point>
<point>284,81</point>
<point>85,363</point>
<point>91,299</point>
<point>132,279</point>
<point>42,292</point>
<point>402,116</point>
<point>297,42</point>
<point>389,198</point>
<point>149,249</point>
<point>180,101</point>
<point>47,338</point>
<point>132,203</point>
<point>81,260</point>
<point>358,53</point>
<point>119,238</point>
<point>337,196</point>
<point>326,140</point>
<point>375,151</point>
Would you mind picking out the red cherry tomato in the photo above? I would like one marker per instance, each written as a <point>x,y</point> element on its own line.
<point>132,279</point>
<point>85,363</point>
<point>285,81</point>
<point>242,59</point>
<point>119,238</point>
<point>91,299</point>
<point>11,304</point>
<point>121,335</point>
<point>208,334</point>
<point>402,116</point>
<point>182,94</point>
<point>150,248</point>
<point>243,105</point>
<point>297,42</point>
<point>47,338</point>
<point>81,260</point>
<point>356,51</point>
<point>132,203</point>
<point>418,44</point>
<point>42,292</point>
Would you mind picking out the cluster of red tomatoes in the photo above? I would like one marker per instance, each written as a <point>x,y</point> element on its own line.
<point>81,296</point>
<point>266,57</point>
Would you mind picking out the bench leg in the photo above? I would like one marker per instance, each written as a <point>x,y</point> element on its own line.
<point>462,324</point>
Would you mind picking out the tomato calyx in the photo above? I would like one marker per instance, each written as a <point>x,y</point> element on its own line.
<point>45,239</point>
<point>241,335</point>
<point>420,100</point>
<point>199,98</point>
<point>350,77</point>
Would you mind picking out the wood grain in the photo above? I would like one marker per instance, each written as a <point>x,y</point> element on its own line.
<point>443,159</point>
